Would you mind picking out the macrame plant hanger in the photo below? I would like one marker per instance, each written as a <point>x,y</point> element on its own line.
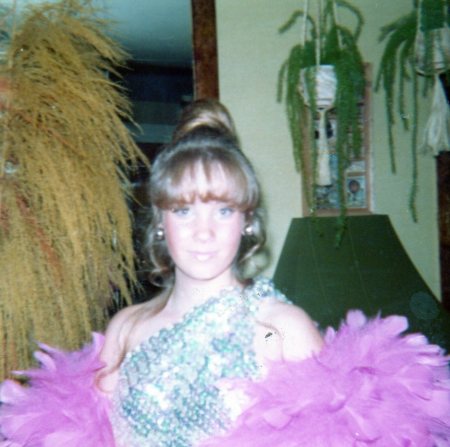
<point>436,136</point>
<point>325,93</point>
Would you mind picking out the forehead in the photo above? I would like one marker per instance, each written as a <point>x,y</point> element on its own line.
<point>210,182</point>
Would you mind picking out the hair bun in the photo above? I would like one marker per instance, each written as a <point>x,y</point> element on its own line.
<point>205,113</point>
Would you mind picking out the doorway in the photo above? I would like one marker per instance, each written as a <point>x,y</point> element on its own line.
<point>443,175</point>
<point>158,93</point>
<point>443,186</point>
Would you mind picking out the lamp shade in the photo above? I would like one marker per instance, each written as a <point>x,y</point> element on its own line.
<point>369,270</point>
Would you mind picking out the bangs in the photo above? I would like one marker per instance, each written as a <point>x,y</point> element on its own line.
<point>206,180</point>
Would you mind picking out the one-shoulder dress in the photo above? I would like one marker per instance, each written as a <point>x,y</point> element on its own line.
<point>371,385</point>
<point>168,393</point>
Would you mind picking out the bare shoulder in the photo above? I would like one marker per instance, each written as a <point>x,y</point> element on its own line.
<point>296,331</point>
<point>117,332</point>
<point>127,321</point>
<point>120,321</point>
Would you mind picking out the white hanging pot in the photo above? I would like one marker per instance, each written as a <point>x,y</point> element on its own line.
<point>440,47</point>
<point>325,85</point>
<point>436,135</point>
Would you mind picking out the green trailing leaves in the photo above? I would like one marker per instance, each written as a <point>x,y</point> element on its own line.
<point>399,71</point>
<point>337,47</point>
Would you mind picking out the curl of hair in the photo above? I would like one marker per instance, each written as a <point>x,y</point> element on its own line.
<point>205,112</point>
<point>205,139</point>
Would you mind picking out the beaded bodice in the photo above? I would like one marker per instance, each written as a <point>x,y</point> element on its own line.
<point>167,393</point>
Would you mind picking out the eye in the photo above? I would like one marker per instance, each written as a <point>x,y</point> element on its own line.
<point>226,211</point>
<point>181,211</point>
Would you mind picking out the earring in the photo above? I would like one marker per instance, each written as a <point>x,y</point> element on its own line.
<point>159,234</point>
<point>248,230</point>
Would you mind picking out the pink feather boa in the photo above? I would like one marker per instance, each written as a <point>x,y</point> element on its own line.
<point>61,406</point>
<point>369,386</point>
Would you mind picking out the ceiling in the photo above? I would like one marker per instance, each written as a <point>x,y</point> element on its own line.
<point>158,32</point>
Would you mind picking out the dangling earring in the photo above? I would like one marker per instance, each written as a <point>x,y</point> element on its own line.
<point>159,234</point>
<point>248,230</point>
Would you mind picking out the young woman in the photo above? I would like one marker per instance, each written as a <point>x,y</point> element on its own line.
<point>221,359</point>
<point>210,322</point>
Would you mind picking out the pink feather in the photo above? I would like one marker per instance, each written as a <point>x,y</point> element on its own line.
<point>60,406</point>
<point>369,386</point>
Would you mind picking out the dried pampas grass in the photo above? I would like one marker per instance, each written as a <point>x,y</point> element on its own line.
<point>65,229</point>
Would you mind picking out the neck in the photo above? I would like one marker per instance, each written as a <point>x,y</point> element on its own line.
<point>187,292</point>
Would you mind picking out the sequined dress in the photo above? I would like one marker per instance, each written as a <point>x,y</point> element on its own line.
<point>370,386</point>
<point>167,393</point>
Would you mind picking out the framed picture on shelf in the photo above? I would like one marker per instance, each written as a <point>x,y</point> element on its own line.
<point>355,191</point>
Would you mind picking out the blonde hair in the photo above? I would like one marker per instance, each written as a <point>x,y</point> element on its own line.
<point>204,142</point>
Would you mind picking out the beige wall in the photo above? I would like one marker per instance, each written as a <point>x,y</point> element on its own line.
<point>250,54</point>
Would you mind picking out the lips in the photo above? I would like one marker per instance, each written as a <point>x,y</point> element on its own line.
<point>203,256</point>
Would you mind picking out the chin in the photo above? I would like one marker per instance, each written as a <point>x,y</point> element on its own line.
<point>206,273</point>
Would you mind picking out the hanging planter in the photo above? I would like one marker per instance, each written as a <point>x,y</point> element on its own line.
<point>432,51</point>
<point>416,44</point>
<point>432,39</point>
<point>432,58</point>
<point>323,72</point>
<point>325,83</point>
<point>436,135</point>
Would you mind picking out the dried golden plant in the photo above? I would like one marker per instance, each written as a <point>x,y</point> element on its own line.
<point>65,153</point>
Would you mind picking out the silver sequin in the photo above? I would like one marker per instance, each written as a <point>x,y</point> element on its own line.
<point>167,394</point>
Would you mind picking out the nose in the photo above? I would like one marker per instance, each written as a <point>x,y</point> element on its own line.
<point>204,230</point>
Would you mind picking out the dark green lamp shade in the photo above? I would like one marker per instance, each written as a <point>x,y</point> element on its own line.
<point>370,270</point>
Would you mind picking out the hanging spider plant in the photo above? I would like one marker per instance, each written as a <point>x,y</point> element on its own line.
<point>417,44</point>
<point>324,42</point>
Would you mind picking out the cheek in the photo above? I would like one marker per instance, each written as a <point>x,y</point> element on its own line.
<point>234,231</point>
<point>173,233</point>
